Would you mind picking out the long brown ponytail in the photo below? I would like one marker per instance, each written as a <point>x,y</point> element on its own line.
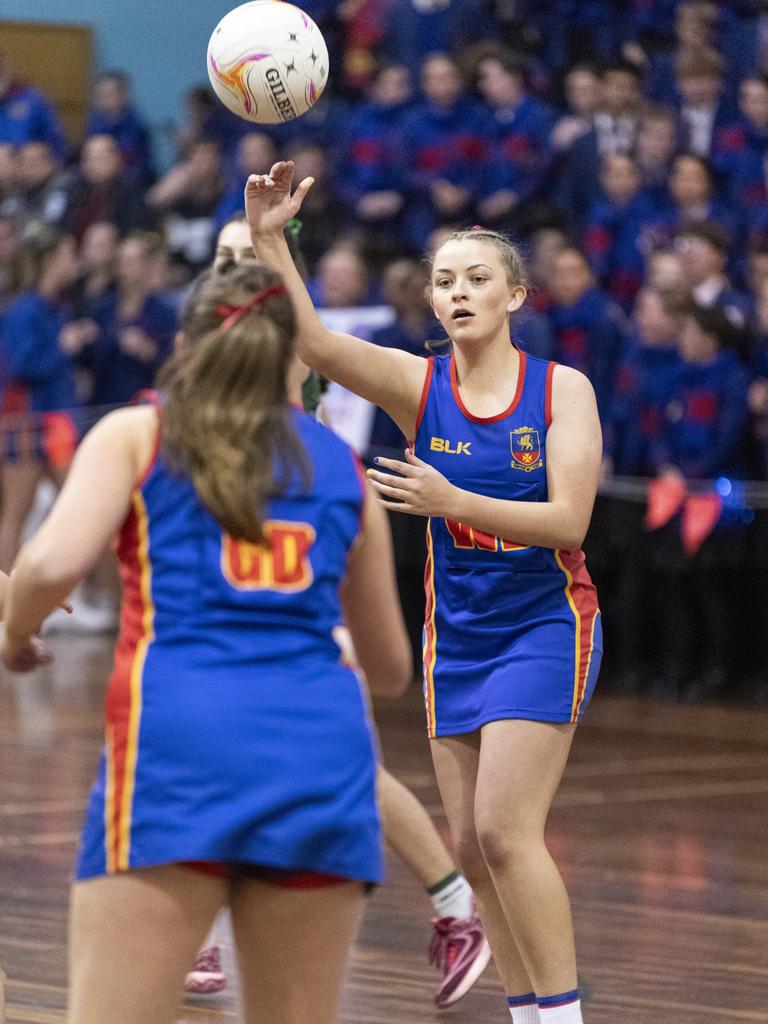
<point>226,419</point>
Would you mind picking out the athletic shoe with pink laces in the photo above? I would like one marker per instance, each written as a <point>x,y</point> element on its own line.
<point>460,950</point>
<point>206,977</point>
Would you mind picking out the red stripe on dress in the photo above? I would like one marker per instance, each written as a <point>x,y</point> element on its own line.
<point>424,396</point>
<point>118,703</point>
<point>548,393</point>
<point>429,634</point>
<point>584,597</point>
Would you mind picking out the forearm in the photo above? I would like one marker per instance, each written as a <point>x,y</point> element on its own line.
<point>546,524</point>
<point>272,249</point>
<point>30,596</point>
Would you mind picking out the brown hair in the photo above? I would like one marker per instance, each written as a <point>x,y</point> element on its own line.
<point>226,419</point>
<point>509,253</point>
<point>29,260</point>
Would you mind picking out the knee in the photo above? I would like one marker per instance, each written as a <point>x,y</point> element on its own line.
<point>503,841</point>
<point>470,859</point>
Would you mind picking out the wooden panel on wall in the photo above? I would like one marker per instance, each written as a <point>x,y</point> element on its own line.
<point>57,60</point>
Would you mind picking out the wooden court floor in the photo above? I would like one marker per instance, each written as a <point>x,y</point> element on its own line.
<point>660,828</point>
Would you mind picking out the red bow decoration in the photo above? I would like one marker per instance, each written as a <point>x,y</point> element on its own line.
<point>234,314</point>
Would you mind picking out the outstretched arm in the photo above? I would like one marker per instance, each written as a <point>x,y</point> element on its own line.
<point>93,503</point>
<point>390,379</point>
<point>574,449</point>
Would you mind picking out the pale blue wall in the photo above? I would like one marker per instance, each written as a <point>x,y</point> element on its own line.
<point>160,43</point>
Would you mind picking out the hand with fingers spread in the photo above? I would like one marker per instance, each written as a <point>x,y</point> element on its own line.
<point>419,490</point>
<point>269,203</point>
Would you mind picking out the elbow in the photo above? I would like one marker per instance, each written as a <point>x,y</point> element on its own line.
<point>47,571</point>
<point>571,540</point>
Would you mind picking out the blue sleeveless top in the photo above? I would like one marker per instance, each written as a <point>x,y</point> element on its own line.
<point>512,630</point>
<point>233,733</point>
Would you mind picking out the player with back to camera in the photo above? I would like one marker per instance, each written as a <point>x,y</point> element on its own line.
<point>504,464</point>
<point>239,764</point>
<point>459,948</point>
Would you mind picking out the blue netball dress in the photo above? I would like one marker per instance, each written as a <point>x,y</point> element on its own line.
<point>233,734</point>
<point>511,631</point>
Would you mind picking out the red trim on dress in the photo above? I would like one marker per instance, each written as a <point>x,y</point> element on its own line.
<point>548,393</point>
<point>156,447</point>
<point>584,598</point>
<point>424,396</point>
<point>500,415</point>
<point>118,703</point>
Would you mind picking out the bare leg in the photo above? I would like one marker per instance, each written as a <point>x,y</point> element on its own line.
<point>19,483</point>
<point>409,830</point>
<point>152,920</point>
<point>456,760</point>
<point>520,767</point>
<point>292,947</point>
<point>2,996</point>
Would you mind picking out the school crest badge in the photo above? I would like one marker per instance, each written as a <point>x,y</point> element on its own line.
<point>526,449</point>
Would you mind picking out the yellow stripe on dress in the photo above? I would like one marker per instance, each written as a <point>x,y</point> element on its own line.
<point>109,798</point>
<point>589,666</point>
<point>137,676</point>
<point>577,617</point>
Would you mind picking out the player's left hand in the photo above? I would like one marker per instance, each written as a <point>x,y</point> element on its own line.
<point>419,490</point>
<point>24,654</point>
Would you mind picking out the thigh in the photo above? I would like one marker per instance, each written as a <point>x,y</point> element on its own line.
<point>456,760</point>
<point>520,767</point>
<point>292,948</point>
<point>132,938</point>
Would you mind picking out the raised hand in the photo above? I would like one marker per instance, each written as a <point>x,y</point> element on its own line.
<point>269,203</point>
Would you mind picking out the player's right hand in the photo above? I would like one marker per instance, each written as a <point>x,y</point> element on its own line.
<point>269,204</point>
<point>24,656</point>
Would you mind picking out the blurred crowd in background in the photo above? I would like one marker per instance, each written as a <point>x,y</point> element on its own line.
<point>623,145</point>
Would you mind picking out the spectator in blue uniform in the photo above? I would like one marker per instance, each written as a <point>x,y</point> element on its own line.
<point>703,252</point>
<point>113,113</point>
<point>655,147</point>
<point>414,29</point>
<point>631,430</point>
<point>446,142</point>
<point>40,436</point>
<point>255,151</point>
<point>702,107</point>
<point>373,183</point>
<point>705,437</point>
<point>135,327</point>
<point>26,115</point>
<point>520,127</point>
<point>614,130</point>
<point>588,327</point>
<point>581,87</point>
<point>739,148</point>
<point>614,228</point>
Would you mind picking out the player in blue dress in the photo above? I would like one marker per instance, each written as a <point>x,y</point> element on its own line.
<point>239,764</point>
<point>504,463</point>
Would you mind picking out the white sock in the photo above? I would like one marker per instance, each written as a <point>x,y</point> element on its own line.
<point>452,896</point>
<point>561,1009</point>
<point>525,1013</point>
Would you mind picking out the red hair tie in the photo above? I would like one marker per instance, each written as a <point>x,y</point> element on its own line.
<point>234,314</point>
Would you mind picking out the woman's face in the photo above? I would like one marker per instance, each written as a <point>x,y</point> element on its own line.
<point>571,277</point>
<point>582,92</point>
<point>471,295</point>
<point>233,245</point>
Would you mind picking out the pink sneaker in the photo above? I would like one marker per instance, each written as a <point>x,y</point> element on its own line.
<point>206,976</point>
<point>460,950</point>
